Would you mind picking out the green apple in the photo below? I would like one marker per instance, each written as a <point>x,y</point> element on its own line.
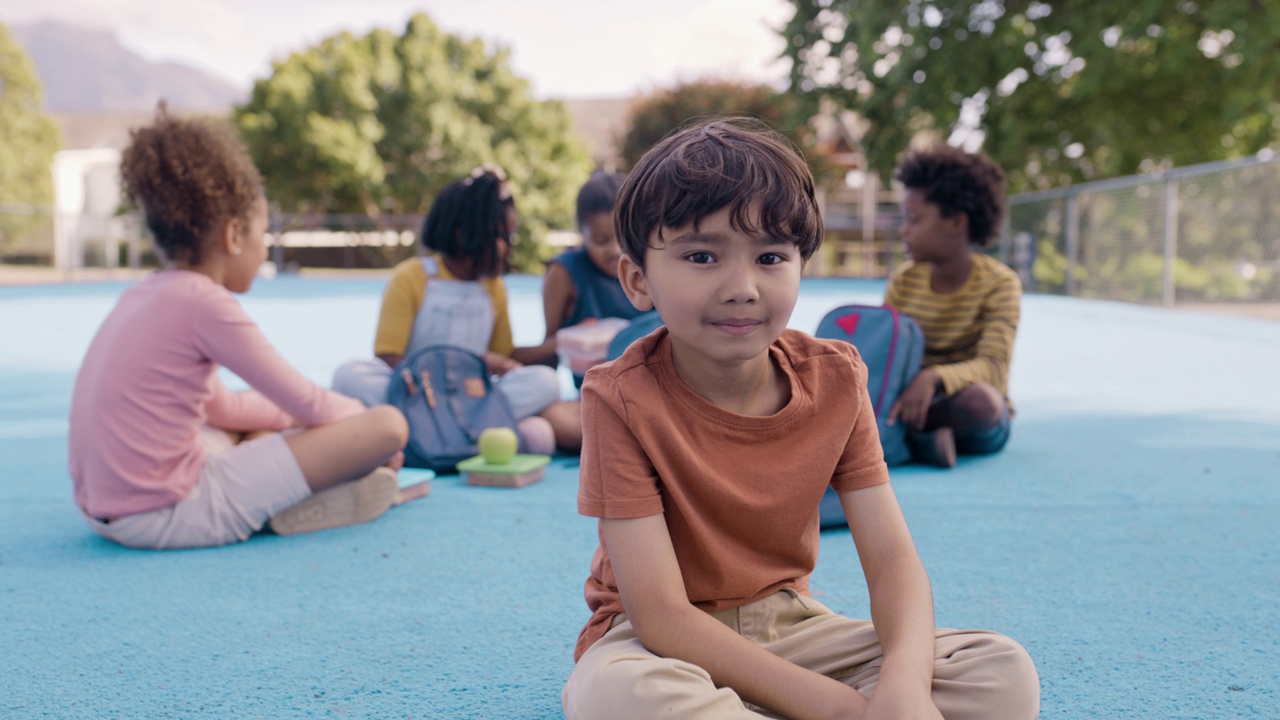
<point>498,445</point>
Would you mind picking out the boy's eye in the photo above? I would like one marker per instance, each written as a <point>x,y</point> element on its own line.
<point>701,258</point>
<point>772,259</point>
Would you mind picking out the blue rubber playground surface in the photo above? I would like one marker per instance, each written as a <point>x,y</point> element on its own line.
<point>1129,537</point>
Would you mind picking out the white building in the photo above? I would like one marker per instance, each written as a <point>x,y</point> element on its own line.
<point>86,189</point>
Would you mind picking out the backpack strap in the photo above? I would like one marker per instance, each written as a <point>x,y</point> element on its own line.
<point>430,266</point>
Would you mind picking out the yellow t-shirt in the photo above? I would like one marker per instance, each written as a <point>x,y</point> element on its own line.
<point>403,298</point>
<point>968,334</point>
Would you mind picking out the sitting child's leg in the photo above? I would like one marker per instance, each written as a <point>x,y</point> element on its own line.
<point>240,487</point>
<point>618,678</point>
<point>978,417</point>
<point>535,390</point>
<point>566,422</point>
<point>977,674</point>
<point>530,389</point>
<point>974,421</point>
<point>364,380</point>
<point>343,465</point>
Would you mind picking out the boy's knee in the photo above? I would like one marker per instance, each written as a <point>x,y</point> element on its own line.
<point>1018,685</point>
<point>630,685</point>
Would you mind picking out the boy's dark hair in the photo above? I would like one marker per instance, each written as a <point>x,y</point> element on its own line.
<point>189,176</point>
<point>739,163</point>
<point>598,194</point>
<point>468,217</point>
<point>958,182</point>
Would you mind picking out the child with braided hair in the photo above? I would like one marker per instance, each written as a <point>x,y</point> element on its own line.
<point>456,296</point>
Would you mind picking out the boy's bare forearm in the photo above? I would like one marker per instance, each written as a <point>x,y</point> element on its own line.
<point>902,612</point>
<point>758,676</point>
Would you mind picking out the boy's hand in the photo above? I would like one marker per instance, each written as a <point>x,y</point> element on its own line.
<point>913,404</point>
<point>499,364</point>
<point>895,701</point>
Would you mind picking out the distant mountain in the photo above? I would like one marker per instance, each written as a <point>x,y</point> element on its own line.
<point>88,70</point>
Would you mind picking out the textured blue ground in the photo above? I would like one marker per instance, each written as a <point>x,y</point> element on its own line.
<point>1129,537</point>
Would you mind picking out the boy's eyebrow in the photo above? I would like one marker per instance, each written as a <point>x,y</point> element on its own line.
<point>694,237</point>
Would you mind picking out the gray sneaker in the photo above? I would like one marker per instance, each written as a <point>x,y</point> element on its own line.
<point>350,503</point>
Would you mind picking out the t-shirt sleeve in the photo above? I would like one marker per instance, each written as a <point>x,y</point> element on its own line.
<point>862,463</point>
<point>226,335</point>
<point>400,303</point>
<point>1000,313</point>
<point>616,479</point>
<point>501,341</point>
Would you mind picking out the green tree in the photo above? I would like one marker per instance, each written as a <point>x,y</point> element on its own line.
<point>379,123</point>
<point>656,115</point>
<point>28,140</point>
<point>1057,91</point>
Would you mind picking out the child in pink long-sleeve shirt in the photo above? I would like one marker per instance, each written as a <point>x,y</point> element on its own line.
<point>162,455</point>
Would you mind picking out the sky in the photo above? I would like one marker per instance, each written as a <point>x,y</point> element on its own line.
<point>567,48</point>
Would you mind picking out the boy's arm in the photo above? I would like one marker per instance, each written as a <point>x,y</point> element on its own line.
<point>901,604</point>
<point>654,597</point>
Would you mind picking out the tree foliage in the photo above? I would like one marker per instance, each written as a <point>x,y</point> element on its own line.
<point>1057,91</point>
<point>379,123</point>
<point>28,140</point>
<point>654,117</point>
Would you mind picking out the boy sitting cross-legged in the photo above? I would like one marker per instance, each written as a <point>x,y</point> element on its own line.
<point>708,445</point>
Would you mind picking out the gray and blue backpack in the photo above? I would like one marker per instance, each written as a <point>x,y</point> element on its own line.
<point>446,395</point>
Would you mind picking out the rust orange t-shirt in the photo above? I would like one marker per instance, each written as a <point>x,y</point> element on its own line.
<point>740,493</point>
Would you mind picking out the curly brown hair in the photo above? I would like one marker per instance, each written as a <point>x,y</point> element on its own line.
<point>958,182</point>
<point>189,175</point>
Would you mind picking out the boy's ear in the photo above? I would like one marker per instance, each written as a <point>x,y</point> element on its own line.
<point>631,275</point>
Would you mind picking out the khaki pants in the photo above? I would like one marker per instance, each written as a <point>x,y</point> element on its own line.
<point>977,674</point>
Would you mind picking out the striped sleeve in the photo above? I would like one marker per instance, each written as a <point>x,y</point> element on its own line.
<point>999,313</point>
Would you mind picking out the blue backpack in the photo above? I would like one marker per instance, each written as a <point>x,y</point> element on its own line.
<point>641,325</point>
<point>891,345</point>
<point>446,395</point>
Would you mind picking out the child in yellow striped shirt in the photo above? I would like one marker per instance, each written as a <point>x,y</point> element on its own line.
<point>967,303</point>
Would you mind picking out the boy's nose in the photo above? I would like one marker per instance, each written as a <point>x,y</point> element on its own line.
<point>739,285</point>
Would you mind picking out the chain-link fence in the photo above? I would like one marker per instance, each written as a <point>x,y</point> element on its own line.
<point>1201,234</point>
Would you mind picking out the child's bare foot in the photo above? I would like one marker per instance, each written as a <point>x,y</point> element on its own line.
<point>936,447</point>
<point>349,503</point>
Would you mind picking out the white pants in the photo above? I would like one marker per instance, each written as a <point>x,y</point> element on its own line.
<point>240,488</point>
<point>528,390</point>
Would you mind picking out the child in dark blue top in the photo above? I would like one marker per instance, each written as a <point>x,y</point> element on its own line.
<point>582,284</point>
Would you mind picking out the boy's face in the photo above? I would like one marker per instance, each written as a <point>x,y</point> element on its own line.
<point>601,242</point>
<point>724,295</point>
<point>928,236</point>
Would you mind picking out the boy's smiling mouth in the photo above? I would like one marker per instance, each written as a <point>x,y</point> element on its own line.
<point>737,326</point>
